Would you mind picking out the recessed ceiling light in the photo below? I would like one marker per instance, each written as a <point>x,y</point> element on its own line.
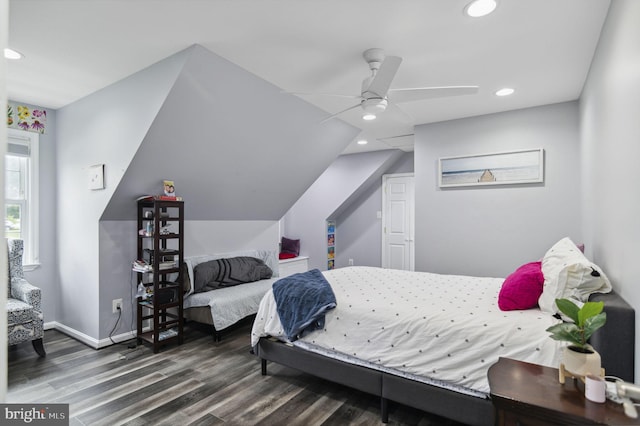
<point>363,142</point>
<point>12,54</point>
<point>478,8</point>
<point>505,91</point>
<point>368,116</point>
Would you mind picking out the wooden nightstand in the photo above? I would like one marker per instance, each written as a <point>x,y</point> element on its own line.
<point>530,394</point>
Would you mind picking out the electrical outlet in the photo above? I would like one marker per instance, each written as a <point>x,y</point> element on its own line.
<point>115,305</point>
<point>350,262</point>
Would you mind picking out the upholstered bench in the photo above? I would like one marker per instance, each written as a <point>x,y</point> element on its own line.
<point>25,320</point>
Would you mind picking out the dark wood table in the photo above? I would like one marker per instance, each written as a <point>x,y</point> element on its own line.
<point>531,394</point>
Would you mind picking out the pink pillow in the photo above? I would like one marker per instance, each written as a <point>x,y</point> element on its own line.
<point>522,288</point>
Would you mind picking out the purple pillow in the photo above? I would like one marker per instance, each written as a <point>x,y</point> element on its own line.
<point>290,246</point>
<point>522,289</point>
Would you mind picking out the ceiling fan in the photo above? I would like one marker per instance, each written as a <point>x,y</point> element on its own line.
<point>375,95</point>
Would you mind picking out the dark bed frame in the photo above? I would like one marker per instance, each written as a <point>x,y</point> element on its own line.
<point>202,314</point>
<point>615,342</point>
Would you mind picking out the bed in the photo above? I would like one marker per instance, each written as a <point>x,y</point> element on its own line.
<point>427,340</point>
<point>223,307</point>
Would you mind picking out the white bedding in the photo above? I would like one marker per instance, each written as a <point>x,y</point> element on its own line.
<point>443,327</point>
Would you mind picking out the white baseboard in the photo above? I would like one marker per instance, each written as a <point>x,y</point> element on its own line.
<point>88,340</point>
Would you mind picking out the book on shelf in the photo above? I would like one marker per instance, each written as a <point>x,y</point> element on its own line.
<point>158,198</point>
<point>165,334</point>
<point>168,265</point>
<point>142,266</point>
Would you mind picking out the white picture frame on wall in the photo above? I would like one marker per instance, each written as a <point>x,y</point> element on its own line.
<point>500,168</point>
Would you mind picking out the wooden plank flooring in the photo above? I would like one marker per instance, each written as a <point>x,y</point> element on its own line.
<point>200,382</point>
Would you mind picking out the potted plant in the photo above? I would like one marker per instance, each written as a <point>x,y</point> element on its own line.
<point>579,358</point>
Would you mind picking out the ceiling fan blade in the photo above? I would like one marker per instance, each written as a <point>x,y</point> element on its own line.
<point>340,112</point>
<point>407,117</point>
<point>421,93</point>
<point>384,76</point>
<point>335,95</point>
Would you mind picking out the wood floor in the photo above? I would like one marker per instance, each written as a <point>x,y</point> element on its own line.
<point>200,382</point>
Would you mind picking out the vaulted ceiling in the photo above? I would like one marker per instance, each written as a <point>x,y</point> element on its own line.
<point>227,168</point>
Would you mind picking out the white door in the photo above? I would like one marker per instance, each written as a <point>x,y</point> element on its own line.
<point>398,192</point>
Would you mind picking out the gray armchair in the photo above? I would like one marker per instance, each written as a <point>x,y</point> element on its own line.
<point>25,319</point>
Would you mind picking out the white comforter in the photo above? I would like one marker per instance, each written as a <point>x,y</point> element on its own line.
<point>444,327</point>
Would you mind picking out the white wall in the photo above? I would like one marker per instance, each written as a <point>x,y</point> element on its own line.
<point>490,231</point>
<point>610,126</point>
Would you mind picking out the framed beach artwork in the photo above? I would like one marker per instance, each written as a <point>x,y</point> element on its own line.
<point>502,168</point>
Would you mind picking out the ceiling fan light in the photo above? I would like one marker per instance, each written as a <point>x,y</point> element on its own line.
<point>506,91</point>
<point>479,8</point>
<point>12,54</point>
<point>372,107</point>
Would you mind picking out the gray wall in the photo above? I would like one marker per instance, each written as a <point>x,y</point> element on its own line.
<point>118,238</point>
<point>358,229</point>
<point>219,132</point>
<point>237,147</point>
<point>610,126</point>
<point>344,181</point>
<point>106,127</point>
<point>489,231</point>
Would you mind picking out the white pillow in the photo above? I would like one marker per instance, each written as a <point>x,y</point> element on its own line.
<point>568,274</point>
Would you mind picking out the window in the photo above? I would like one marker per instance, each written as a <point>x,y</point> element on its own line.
<point>21,192</point>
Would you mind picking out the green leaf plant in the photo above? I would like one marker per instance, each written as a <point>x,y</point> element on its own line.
<point>586,321</point>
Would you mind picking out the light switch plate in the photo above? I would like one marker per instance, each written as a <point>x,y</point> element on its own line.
<point>96,176</point>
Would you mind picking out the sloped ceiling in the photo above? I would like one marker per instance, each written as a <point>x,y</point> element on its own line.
<point>236,146</point>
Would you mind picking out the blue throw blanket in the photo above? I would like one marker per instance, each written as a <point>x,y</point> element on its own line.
<point>302,300</point>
